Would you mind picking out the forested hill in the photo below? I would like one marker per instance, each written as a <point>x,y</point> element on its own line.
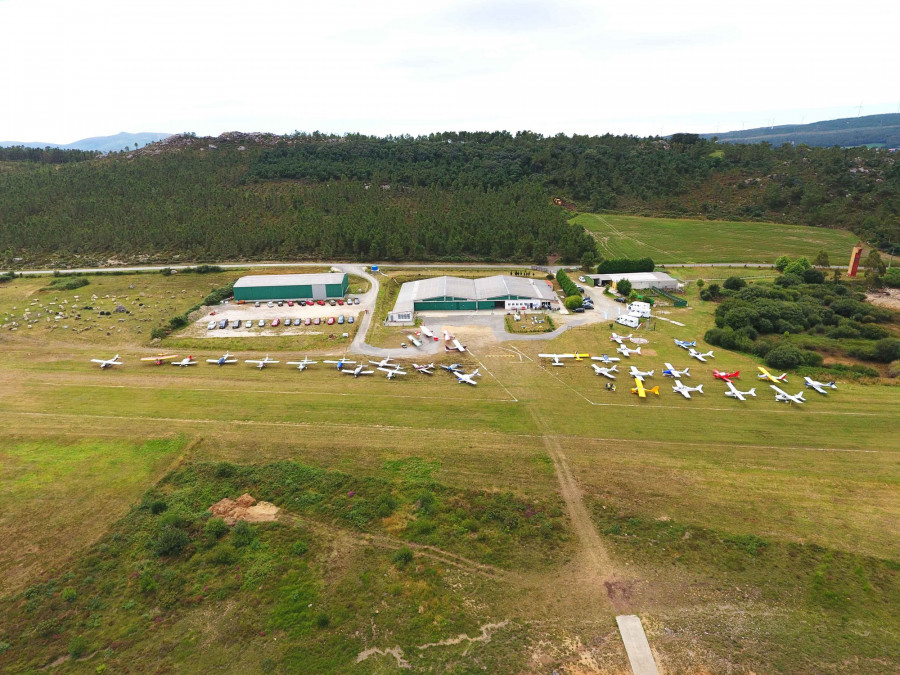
<point>874,130</point>
<point>449,196</point>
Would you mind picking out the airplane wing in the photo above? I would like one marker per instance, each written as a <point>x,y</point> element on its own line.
<point>734,391</point>
<point>681,389</point>
<point>101,361</point>
<point>779,391</point>
<point>161,357</point>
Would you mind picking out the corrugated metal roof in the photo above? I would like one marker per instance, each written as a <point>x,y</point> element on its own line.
<point>470,289</point>
<point>633,276</point>
<point>289,279</point>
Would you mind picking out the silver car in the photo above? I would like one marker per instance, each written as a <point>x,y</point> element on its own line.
<point>262,323</point>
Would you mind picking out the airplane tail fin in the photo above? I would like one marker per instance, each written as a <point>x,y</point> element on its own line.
<point>477,373</point>
<point>800,396</point>
<point>637,351</point>
<point>832,385</point>
<point>783,377</point>
<point>700,388</point>
<point>655,390</point>
<point>650,374</point>
<point>687,371</point>
<point>752,392</point>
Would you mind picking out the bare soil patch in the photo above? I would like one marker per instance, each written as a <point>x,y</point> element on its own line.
<point>886,297</point>
<point>244,508</point>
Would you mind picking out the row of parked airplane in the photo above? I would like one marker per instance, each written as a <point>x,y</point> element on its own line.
<point>386,365</point>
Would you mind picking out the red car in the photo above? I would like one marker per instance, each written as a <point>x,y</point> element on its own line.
<point>317,321</point>
<point>321,303</point>
<point>330,320</point>
<point>290,303</point>
<point>275,322</point>
<point>340,301</point>
<point>307,321</point>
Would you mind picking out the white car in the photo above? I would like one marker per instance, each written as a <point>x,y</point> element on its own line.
<point>262,323</point>
<point>211,325</point>
<point>270,304</point>
<point>581,279</point>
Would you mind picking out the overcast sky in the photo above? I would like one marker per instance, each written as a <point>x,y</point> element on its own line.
<point>77,68</point>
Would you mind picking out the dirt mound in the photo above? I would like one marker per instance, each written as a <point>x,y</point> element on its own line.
<point>245,508</point>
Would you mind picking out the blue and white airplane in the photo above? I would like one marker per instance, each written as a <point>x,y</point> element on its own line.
<point>670,371</point>
<point>606,359</point>
<point>339,363</point>
<point>819,386</point>
<point>222,360</point>
<point>685,344</point>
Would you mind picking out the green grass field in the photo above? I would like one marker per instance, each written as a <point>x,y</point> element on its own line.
<point>671,240</point>
<point>523,514</point>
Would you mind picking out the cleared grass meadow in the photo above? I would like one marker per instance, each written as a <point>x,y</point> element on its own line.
<point>747,535</point>
<point>674,240</point>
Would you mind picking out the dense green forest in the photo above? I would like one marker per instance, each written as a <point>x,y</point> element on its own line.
<point>48,155</point>
<point>448,196</point>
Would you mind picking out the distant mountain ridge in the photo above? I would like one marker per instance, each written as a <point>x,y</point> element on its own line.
<point>114,143</point>
<point>874,130</point>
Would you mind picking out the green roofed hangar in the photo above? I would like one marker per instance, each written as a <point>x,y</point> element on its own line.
<point>291,286</point>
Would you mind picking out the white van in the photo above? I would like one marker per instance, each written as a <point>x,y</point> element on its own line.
<point>629,320</point>
<point>640,309</point>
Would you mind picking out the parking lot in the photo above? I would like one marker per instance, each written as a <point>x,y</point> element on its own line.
<point>249,312</point>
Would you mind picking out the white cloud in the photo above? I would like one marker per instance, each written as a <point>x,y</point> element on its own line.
<point>92,67</point>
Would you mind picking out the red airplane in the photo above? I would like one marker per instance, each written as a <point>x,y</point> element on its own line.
<point>727,377</point>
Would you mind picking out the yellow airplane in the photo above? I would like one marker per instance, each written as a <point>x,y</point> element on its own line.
<point>579,357</point>
<point>640,391</point>
<point>160,358</point>
<point>766,375</point>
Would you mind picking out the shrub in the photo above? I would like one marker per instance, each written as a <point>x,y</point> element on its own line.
<point>892,277</point>
<point>386,506</point>
<point>225,470</point>
<point>68,284</point>
<point>402,557</point>
<point>171,542</point>
<point>243,534</point>
<point>811,358</point>
<point>158,507</point>
<point>781,262</point>
<point>734,283</point>
<point>69,594</point>
<point>222,555</point>
<point>573,302</point>
<point>843,332</point>
<point>871,331</point>
<point>887,350</point>
<point>797,267</point>
<point>623,286</point>
<point>78,645</point>
<point>784,356</point>
<point>215,528</point>
<point>894,369</point>
<point>568,286</point>
<point>787,280</point>
<point>322,620</point>
<point>813,276</point>
<point>300,548</point>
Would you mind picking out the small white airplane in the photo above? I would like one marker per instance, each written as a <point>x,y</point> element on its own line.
<point>416,341</point>
<point>606,372</point>
<point>384,363</point>
<point>425,370</point>
<point>468,379</point>
<point>261,363</point>
<point>340,363</point>
<point>108,363</point>
<point>189,361</point>
<point>734,392</point>
<point>766,375</point>
<point>684,390</point>
<point>640,374</point>
<point>392,372</point>
<point>606,359</point>
<point>628,352</point>
<point>222,360</point>
<point>356,372</point>
<point>302,365</point>
<point>556,358</point>
<point>818,386</point>
<point>684,344</point>
<point>620,338</point>
<point>447,336</point>
<point>427,332</point>
<point>670,371</point>
<point>783,396</point>
<point>457,347</point>
<point>701,357</point>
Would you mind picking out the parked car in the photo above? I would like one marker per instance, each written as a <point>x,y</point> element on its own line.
<point>579,310</point>
<point>306,321</point>
<point>341,320</point>
<point>355,301</point>
<point>256,304</point>
<point>620,299</point>
<point>281,303</point>
<point>236,324</point>
<point>340,301</point>
<point>298,321</point>
<point>321,303</point>
<point>262,323</point>
<point>317,321</point>
<point>290,303</point>
<point>276,322</point>
<point>332,302</point>
<point>330,320</point>
<point>211,325</point>
<point>223,323</point>
<point>350,319</point>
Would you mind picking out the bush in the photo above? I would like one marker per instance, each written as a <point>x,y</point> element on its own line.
<point>322,620</point>
<point>171,542</point>
<point>734,283</point>
<point>797,267</point>
<point>623,286</point>
<point>892,277</point>
<point>402,557</point>
<point>871,331</point>
<point>568,286</point>
<point>69,594</point>
<point>222,555</point>
<point>225,470</point>
<point>215,528</point>
<point>781,262</point>
<point>784,356</point>
<point>787,280</point>
<point>894,369</point>
<point>243,534</point>
<point>300,548</point>
<point>887,350</point>
<point>813,276</point>
<point>68,284</point>
<point>78,645</point>
<point>573,302</point>
<point>158,506</point>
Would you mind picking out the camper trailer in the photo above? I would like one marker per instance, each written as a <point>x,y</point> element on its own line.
<point>629,320</point>
<point>641,309</point>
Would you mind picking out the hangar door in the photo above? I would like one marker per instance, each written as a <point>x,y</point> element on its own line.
<point>319,292</point>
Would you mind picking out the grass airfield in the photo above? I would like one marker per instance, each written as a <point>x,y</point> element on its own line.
<point>535,507</point>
